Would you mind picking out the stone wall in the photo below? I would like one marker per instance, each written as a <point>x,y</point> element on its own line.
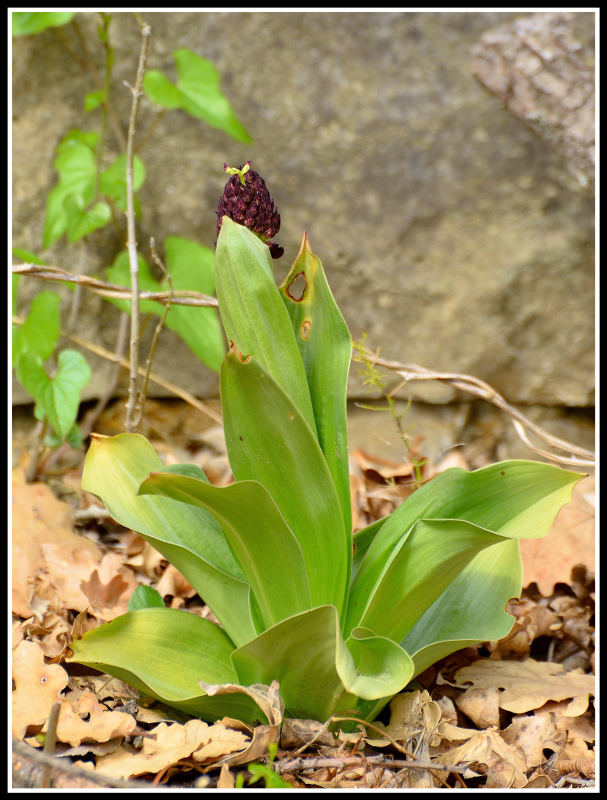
<point>451,234</point>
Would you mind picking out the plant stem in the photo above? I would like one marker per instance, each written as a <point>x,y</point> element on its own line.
<point>133,403</point>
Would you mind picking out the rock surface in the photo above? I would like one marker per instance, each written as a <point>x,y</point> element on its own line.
<point>450,233</point>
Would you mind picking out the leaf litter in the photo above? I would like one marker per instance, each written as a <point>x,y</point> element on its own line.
<point>517,713</point>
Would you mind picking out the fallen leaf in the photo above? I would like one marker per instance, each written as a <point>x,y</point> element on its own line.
<point>481,706</point>
<point>505,763</point>
<point>534,734</point>
<point>101,724</point>
<point>528,684</point>
<point>37,687</point>
<point>38,519</point>
<point>549,561</point>
<point>172,744</point>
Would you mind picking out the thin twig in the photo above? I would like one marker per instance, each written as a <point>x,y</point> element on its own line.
<point>467,383</point>
<point>158,329</point>
<point>113,290</point>
<point>93,415</point>
<point>38,447</point>
<point>133,404</point>
<point>311,763</point>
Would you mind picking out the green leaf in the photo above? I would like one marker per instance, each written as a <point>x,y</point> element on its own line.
<point>59,397</point>
<point>318,672</point>
<point>80,221</point>
<point>517,499</point>
<point>27,23</point>
<point>471,609</point>
<point>73,438</point>
<point>422,566</point>
<point>145,597</point>
<point>39,333</point>
<point>197,92</point>
<point>27,257</point>
<point>93,100</point>
<point>163,653</point>
<point>190,538</point>
<point>269,441</point>
<point>253,315</point>
<point>75,164</point>
<point>361,542</point>
<point>326,349</point>
<point>259,536</point>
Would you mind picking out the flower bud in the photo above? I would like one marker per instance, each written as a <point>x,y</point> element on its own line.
<point>247,201</point>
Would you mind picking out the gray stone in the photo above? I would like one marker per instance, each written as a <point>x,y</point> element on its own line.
<point>450,234</point>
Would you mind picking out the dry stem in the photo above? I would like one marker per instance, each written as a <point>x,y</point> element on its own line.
<point>133,404</point>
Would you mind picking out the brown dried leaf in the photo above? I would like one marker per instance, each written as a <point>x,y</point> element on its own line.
<point>40,519</point>
<point>172,744</point>
<point>481,706</point>
<point>528,684</point>
<point>549,560</point>
<point>37,687</point>
<point>534,734</point>
<point>101,725</point>
<point>506,764</point>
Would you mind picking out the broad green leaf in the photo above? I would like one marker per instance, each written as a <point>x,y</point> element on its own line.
<point>426,561</point>
<point>39,333</point>
<point>269,441</point>
<point>318,672</point>
<point>27,257</point>
<point>517,499</point>
<point>163,653</point>
<point>253,315</point>
<point>57,398</point>
<point>326,349</point>
<point>197,92</point>
<point>27,23</point>
<point>260,538</point>
<point>145,597</point>
<point>190,538</point>
<point>361,542</point>
<point>471,609</point>
<point>82,221</point>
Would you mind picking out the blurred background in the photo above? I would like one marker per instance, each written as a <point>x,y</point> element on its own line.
<point>439,162</point>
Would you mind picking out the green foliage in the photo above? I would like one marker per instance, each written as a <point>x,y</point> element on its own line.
<point>272,553</point>
<point>71,207</point>
<point>197,92</point>
<point>57,397</point>
<point>27,23</point>
<point>145,597</point>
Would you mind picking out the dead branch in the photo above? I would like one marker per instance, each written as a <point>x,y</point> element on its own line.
<point>113,290</point>
<point>311,763</point>
<point>467,383</point>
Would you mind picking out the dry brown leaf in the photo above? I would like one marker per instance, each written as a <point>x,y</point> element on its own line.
<point>109,588</point>
<point>173,583</point>
<point>481,706</point>
<point>37,687</point>
<point>297,733</point>
<point>505,764</point>
<point>39,518</point>
<point>549,560</point>
<point>528,684</point>
<point>576,726</point>
<point>172,744</point>
<point>101,725</point>
<point>226,779</point>
<point>534,734</point>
